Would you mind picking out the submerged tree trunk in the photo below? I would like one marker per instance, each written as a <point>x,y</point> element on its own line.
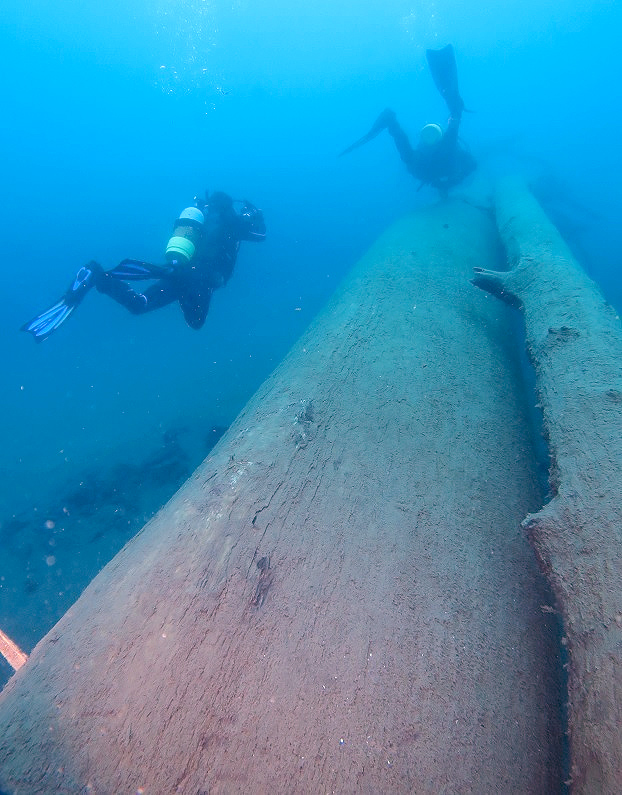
<point>574,340</point>
<point>341,598</point>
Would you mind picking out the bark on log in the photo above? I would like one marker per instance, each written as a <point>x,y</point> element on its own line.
<point>341,598</point>
<point>575,343</point>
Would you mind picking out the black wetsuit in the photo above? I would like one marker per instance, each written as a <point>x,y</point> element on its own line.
<point>442,164</point>
<point>192,283</point>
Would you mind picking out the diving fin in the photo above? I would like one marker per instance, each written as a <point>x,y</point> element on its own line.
<point>44,324</point>
<point>444,71</point>
<point>386,118</point>
<point>135,270</point>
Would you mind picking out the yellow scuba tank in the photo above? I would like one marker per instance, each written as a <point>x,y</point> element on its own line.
<point>186,234</point>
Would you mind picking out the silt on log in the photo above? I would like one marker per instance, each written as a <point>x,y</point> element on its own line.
<point>341,597</point>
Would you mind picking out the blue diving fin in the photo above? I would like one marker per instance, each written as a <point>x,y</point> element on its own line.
<point>47,322</point>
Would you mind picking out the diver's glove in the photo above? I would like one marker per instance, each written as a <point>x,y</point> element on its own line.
<point>249,210</point>
<point>202,203</point>
<point>253,221</point>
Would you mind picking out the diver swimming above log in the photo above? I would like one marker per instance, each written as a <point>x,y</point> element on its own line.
<point>200,254</point>
<point>439,160</point>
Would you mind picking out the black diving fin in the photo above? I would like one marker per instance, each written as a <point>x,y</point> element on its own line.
<point>44,324</point>
<point>444,72</point>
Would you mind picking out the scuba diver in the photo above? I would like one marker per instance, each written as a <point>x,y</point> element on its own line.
<point>200,256</point>
<point>438,160</point>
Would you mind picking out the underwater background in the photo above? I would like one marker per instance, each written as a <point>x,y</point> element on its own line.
<point>115,116</point>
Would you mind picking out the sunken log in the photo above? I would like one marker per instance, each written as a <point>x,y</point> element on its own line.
<point>574,341</point>
<point>341,597</point>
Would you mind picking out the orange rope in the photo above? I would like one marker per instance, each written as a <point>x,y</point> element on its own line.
<point>11,652</point>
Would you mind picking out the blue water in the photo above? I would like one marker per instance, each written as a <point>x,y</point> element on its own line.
<point>116,114</point>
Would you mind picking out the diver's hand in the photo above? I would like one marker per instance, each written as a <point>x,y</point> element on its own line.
<point>253,222</point>
<point>248,208</point>
<point>201,204</point>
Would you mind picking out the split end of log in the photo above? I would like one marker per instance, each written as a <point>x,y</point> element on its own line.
<point>11,652</point>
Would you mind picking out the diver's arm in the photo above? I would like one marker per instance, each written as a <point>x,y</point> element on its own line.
<point>252,224</point>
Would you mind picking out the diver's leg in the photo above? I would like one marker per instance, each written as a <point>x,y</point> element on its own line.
<point>195,306</point>
<point>157,295</point>
<point>382,122</point>
<point>402,144</point>
<point>450,136</point>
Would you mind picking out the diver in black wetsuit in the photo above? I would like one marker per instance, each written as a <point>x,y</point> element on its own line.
<point>201,256</point>
<point>191,281</point>
<point>439,160</point>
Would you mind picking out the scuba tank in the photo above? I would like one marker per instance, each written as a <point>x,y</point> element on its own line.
<point>186,234</point>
